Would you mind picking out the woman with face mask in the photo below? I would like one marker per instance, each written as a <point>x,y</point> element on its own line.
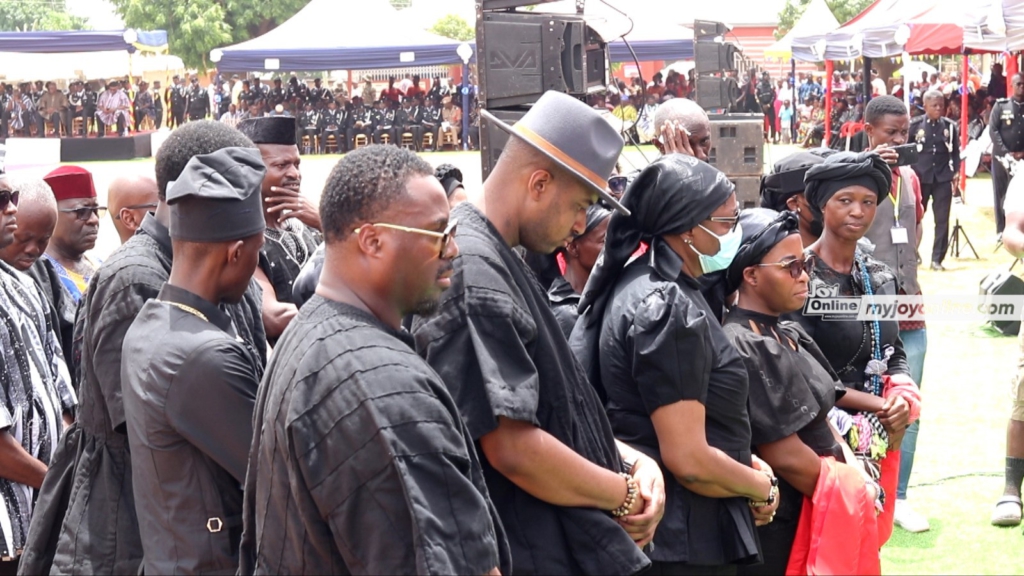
<point>672,383</point>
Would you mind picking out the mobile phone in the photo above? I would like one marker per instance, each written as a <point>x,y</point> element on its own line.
<point>906,154</point>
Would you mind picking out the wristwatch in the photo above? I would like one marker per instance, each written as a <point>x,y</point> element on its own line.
<point>629,463</point>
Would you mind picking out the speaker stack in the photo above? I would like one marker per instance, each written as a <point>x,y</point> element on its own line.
<point>737,140</point>
<point>522,54</point>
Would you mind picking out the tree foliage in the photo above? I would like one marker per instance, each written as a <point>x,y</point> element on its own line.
<point>195,27</point>
<point>454,27</point>
<point>843,10</point>
<point>24,15</point>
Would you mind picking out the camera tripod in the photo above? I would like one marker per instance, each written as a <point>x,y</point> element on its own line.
<point>954,240</point>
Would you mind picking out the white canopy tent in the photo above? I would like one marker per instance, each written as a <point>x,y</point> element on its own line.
<point>817,19</point>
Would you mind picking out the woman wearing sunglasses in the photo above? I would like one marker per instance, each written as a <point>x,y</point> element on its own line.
<point>881,399</point>
<point>672,383</point>
<point>792,387</point>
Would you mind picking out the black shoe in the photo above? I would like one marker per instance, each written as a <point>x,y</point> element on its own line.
<point>937,267</point>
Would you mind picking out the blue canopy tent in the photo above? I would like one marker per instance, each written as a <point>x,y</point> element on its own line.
<point>83,41</point>
<point>311,40</point>
<point>650,50</point>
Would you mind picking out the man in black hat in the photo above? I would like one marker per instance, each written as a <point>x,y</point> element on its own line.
<point>555,472</point>
<point>96,458</point>
<point>938,163</point>
<point>197,102</point>
<point>396,487</point>
<point>409,120</point>
<point>189,401</point>
<point>383,121</point>
<point>293,222</point>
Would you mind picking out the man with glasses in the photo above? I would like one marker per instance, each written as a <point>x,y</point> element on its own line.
<point>358,445</point>
<point>130,198</point>
<point>78,224</point>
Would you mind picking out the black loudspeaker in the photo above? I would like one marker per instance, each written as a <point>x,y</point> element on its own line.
<point>714,92</point>
<point>714,57</point>
<point>1002,283</point>
<point>707,29</point>
<point>523,55</point>
<point>493,139</point>
<point>506,4</point>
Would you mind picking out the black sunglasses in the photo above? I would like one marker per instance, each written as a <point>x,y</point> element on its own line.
<point>795,267</point>
<point>86,212</point>
<point>617,184</point>
<point>8,197</point>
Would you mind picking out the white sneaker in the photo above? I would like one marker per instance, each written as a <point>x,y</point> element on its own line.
<point>909,519</point>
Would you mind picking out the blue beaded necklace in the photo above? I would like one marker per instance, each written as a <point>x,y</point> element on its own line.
<point>876,330</point>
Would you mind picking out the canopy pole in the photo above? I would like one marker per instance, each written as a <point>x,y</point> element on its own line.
<point>865,85</point>
<point>906,80</point>
<point>348,73</point>
<point>963,123</point>
<point>465,106</point>
<point>828,103</point>
<point>791,86</point>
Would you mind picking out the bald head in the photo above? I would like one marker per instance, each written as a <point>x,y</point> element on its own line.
<point>688,114</point>
<point>129,198</point>
<point>37,217</point>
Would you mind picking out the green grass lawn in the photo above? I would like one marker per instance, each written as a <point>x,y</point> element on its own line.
<point>958,473</point>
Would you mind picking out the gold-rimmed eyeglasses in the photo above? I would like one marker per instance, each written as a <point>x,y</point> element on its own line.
<point>445,237</point>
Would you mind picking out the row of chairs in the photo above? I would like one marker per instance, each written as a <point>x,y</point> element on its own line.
<point>76,127</point>
<point>311,142</point>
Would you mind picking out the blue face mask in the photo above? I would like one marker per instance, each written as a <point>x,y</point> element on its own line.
<point>728,246</point>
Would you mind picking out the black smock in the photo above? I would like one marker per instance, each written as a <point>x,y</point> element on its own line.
<point>361,464</point>
<point>661,343</point>
<point>188,406</point>
<point>791,392</point>
<point>91,526</point>
<point>844,340</point>
<point>501,353</point>
<point>284,252</point>
<point>563,300</point>
<point>62,309</point>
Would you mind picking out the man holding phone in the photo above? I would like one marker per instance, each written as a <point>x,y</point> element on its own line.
<point>896,233</point>
<point>937,167</point>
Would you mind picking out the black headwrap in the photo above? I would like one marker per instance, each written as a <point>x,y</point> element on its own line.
<point>845,169</point>
<point>595,215</point>
<point>787,177</point>
<point>450,178</point>
<point>762,230</point>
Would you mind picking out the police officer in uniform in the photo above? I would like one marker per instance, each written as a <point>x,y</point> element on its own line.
<point>277,95</point>
<point>359,121</point>
<point>158,104</point>
<point>89,101</point>
<point>309,125</point>
<point>1006,126</point>
<point>76,94</point>
<point>197,101</point>
<point>431,119</point>
<point>383,118</point>
<point>319,95</point>
<point>246,97</point>
<point>409,118</point>
<point>332,120</point>
<point>938,141</point>
<point>261,91</point>
<point>178,98</point>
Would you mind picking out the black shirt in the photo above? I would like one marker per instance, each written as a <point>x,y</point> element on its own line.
<point>844,340</point>
<point>284,252</point>
<point>563,301</point>
<point>660,344</point>
<point>188,405</point>
<point>361,463</point>
<point>792,389</point>
<point>102,474</point>
<point>501,353</point>
<point>939,144</point>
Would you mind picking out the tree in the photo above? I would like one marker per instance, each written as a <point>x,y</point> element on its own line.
<point>24,15</point>
<point>454,27</point>
<point>843,10</point>
<point>196,27</point>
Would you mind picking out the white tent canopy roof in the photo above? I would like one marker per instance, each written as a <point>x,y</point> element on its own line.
<point>817,19</point>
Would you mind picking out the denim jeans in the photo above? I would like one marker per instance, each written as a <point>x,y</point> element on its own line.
<point>915,343</point>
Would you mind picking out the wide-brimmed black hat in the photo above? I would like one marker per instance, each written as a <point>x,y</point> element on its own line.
<point>572,135</point>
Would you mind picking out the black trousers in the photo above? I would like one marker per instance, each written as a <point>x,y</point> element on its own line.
<point>313,134</point>
<point>941,196</point>
<point>350,136</point>
<point>102,128</point>
<point>10,567</point>
<point>682,569</point>
<point>337,138</point>
<point>1000,181</point>
<point>158,118</point>
<point>417,136</point>
<point>85,120</point>
<point>177,117</point>
<point>769,114</point>
<point>391,132</point>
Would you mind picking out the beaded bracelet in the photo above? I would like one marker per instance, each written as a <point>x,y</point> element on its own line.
<point>632,491</point>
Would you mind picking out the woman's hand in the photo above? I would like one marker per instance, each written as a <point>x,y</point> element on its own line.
<point>764,514</point>
<point>641,525</point>
<point>894,415</point>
